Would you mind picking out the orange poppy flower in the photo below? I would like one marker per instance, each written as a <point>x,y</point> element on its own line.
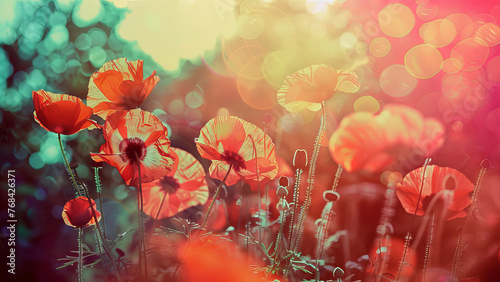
<point>436,179</point>
<point>185,186</point>
<point>231,141</point>
<point>310,86</point>
<point>78,213</point>
<point>364,141</point>
<point>136,137</point>
<point>61,113</point>
<point>119,85</point>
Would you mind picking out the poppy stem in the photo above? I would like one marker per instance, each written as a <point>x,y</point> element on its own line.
<point>217,192</point>
<point>75,185</point>
<point>80,254</point>
<point>458,250</point>
<point>310,178</point>
<point>408,235</point>
<point>326,217</point>
<point>427,257</point>
<point>143,248</point>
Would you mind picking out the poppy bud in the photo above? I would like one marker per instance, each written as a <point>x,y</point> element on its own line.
<point>73,165</point>
<point>283,181</point>
<point>338,273</point>
<point>281,192</point>
<point>331,196</point>
<point>300,159</point>
<point>120,252</point>
<point>485,163</point>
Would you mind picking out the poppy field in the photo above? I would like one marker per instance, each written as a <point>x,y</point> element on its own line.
<point>250,140</point>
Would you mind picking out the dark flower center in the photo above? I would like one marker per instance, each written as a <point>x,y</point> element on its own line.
<point>169,184</point>
<point>234,159</point>
<point>132,149</point>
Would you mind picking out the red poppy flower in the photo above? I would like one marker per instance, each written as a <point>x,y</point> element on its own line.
<point>231,141</point>
<point>136,137</point>
<point>372,142</point>
<point>61,113</point>
<point>436,179</point>
<point>310,86</point>
<point>185,186</point>
<point>119,85</point>
<point>78,213</point>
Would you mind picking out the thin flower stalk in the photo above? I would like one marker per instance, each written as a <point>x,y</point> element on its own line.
<point>80,254</point>
<point>326,217</point>
<point>140,210</point>
<point>310,179</point>
<point>485,164</point>
<point>385,220</point>
<point>217,192</point>
<point>408,235</point>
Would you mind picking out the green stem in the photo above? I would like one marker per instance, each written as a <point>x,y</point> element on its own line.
<point>80,254</point>
<point>73,179</point>
<point>217,192</point>
<point>140,211</point>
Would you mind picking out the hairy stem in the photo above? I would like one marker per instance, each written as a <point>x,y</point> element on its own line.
<point>73,179</point>
<point>408,235</point>
<point>217,192</point>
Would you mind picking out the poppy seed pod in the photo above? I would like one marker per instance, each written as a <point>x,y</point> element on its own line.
<point>284,181</point>
<point>282,205</point>
<point>300,159</point>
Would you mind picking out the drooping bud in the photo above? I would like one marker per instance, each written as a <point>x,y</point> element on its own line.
<point>300,159</point>
<point>485,163</point>
<point>284,181</point>
<point>338,273</point>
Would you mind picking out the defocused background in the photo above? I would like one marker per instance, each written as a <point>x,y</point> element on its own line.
<point>230,57</point>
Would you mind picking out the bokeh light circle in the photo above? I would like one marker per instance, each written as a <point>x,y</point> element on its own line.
<point>451,65</point>
<point>492,69</point>
<point>489,33</point>
<point>493,121</point>
<point>379,47</point>
<point>439,32</point>
<point>256,93</point>
<point>423,61</point>
<point>471,53</point>
<point>366,104</point>
<point>250,26</point>
<point>427,12</point>
<point>396,81</point>
<point>396,20</point>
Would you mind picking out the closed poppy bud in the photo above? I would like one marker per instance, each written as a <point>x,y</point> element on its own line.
<point>300,159</point>
<point>283,181</point>
<point>281,192</point>
<point>78,213</point>
<point>338,273</point>
<point>73,165</point>
<point>485,163</point>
